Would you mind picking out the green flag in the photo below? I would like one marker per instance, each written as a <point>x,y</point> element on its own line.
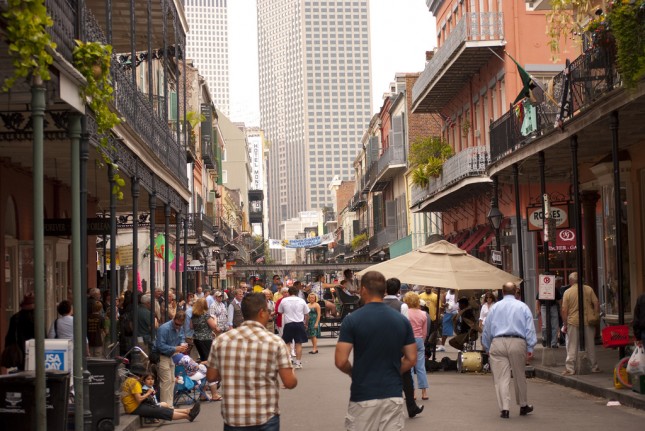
<point>527,81</point>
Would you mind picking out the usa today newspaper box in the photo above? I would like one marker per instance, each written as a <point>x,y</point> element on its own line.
<point>18,400</point>
<point>59,354</point>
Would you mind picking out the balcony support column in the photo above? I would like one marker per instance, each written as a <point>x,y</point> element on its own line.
<point>166,265</point>
<point>135,254</point>
<point>184,278</point>
<point>149,59</point>
<point>133,48</point>
<point>152,205</point>
<point>518,223</point>
<point>618,202</point>
<point>548,357</point>
<point>583,365</point>
<point>113,278</point>
<point>178,220</point>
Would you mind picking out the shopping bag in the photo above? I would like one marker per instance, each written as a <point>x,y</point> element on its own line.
<point>636,364</point>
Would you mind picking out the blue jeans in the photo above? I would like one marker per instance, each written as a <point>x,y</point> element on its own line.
<point>272,424</point>
<point>420,366</point>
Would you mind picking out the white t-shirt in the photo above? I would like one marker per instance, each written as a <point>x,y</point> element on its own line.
<point>483,312</point>
<point>65,328</point>
<point>293,309</point>
<point>453,306</point>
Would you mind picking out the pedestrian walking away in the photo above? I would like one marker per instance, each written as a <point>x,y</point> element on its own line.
<point>571,326</point>
<point>378,336</point>
<point>295,315</point>
<point>248,360</point>
<point>509,337</point>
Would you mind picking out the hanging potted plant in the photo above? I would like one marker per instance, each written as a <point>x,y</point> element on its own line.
<point>93,61</point>
<point>465,127</point>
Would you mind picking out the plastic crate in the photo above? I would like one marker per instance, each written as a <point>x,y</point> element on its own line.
<point>615,336</point>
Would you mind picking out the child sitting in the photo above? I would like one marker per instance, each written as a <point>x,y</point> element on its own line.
<point>148,385</point>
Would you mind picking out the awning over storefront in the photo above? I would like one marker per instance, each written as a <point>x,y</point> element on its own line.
<point>475,237</point>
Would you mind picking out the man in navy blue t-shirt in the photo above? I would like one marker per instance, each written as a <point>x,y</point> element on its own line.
<point>379,336</point>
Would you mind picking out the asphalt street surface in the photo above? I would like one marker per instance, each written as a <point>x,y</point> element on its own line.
<point>456,402</point>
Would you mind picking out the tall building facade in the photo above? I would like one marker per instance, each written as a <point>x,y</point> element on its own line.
<point>314,70</point>
<point>208,46</point>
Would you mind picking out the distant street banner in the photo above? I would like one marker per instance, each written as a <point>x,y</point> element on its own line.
<point>278,244</point>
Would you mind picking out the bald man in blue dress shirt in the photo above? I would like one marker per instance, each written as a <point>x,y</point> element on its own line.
<point>509,335</point>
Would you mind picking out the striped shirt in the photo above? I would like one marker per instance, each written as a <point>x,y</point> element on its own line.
<point>248,359</point>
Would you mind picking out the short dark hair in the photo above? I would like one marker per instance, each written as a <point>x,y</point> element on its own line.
<point>393,285</point>
<point>297,283</point>
<point>252,304</point>
<point>64,307</point>
<point>374,282</point>
<point>276,276</point>
<point>347,273</point>
<point>180,315</point>
<point>293,290</point>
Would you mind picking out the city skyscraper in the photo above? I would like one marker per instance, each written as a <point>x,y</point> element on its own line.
<point>207,46</point>
<point>314,69</point>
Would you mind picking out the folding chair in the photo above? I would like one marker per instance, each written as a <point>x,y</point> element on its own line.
<point>185,391</point>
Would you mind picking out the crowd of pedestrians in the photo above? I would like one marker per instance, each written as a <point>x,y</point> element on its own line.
<point>255,334</point>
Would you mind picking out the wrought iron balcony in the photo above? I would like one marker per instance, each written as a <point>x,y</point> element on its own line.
<point>593,74</point>
<point>470,162</point>
<point>391,162</point>
<point>383,238</point>
<point>369,177</point>
<point>137,111</point>
<point>64,15</point>
<point>208,155</point>
<point>340,250</point>
<point>466,49</point>
<point>356,202</point>
<point>256,216</point>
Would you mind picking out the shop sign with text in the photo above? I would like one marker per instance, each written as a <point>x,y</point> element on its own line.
<point>559,212</point>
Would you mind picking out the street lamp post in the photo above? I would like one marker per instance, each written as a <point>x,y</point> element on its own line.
<point>495,216</point>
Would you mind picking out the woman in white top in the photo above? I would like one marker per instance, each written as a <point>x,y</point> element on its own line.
<point>489,300</point>
<point>63,326</point>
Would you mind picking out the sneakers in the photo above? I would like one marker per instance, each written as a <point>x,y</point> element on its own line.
<point>567,373</point>
<point>192,414</point>
<point>441,349</point>
<point>596,370</point>
<point>297,365</point>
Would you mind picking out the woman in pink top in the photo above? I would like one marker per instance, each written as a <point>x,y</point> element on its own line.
<point>419,321</point>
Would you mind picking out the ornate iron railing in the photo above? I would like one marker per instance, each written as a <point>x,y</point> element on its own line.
<point>393,155</point>
<point>63,32</point>
<point>591,75</point>
<point>472,161</point>
<point>135,108</point>
<point>383,238</point>
<point>473,26</point>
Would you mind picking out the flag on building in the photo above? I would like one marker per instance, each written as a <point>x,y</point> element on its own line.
<point>528,84</point>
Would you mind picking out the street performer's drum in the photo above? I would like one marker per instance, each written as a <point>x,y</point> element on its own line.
<point>470,362</point>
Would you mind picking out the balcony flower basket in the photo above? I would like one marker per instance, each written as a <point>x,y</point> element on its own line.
<point>358,241</point>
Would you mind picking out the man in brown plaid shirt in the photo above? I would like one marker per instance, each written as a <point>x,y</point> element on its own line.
<point>247,361</point>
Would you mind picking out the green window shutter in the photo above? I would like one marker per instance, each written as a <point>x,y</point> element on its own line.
<point>172,112</point>
<point>218,161</point>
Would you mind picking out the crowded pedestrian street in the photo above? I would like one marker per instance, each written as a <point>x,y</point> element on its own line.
<point>456,401</point>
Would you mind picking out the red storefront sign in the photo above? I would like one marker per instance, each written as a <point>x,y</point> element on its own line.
<point>565,240</point>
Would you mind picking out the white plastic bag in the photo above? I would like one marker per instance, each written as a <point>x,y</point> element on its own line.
<point>636,364</point>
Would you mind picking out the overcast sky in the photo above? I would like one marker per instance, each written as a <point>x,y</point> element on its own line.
<point>401,32</point>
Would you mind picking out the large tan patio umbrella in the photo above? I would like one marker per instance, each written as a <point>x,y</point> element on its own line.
<point>445,265</point>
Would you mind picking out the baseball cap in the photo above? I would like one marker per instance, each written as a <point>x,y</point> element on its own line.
<point>218,293</point>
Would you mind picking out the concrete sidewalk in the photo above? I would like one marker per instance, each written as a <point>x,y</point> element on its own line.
<point>597,384</point>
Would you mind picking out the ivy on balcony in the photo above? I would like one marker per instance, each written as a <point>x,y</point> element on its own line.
<point>427,156</point>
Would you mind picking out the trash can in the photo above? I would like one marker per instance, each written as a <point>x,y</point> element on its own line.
<point>104,393</point>
<point>18,400</point>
